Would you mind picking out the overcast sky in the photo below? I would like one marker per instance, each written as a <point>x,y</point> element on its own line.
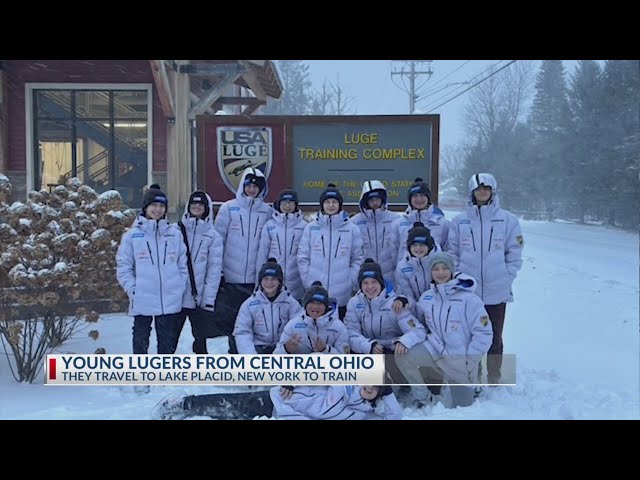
<point>370,83</point>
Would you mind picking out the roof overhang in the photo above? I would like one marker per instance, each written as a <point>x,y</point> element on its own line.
<point>209,79</point>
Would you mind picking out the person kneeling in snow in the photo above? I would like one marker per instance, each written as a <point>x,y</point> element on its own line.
<point>459,334</point>
<point>264,314</point>
<point>343,402</point>
<point>318,330</point>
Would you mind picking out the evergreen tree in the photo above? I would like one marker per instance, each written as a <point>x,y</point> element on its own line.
<point>586,161</point>
<point>620,137</point>
<point>550,124</point>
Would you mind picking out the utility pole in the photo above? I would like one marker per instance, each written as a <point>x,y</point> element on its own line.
<point>412,73</point>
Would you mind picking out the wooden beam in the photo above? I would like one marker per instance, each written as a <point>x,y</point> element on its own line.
<point>240,100</point>
<point>251,77</point>
<point>212,95</point>
<point>164,88</point>
<point>208,69</point>
<point>253,107</point>
<point>195,98</point>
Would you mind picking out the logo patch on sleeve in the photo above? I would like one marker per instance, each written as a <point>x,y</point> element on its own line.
<point>411,323</point>
<point>520,239</point>
<point>484,320</point>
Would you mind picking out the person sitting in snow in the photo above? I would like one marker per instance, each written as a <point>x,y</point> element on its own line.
<point>376,319</point>
<point>317,330</point>
<point>341,402</point>
<point>265,313</point>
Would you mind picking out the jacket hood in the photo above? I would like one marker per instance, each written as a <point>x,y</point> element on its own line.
<point>372,188</point>
<point>461,282</point>
<point>209,217</point>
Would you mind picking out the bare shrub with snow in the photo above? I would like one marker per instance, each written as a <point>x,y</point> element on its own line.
<point>57,268</point>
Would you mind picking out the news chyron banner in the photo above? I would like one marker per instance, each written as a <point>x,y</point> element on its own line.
<point>267,370</point>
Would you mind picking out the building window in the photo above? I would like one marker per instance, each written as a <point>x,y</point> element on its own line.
<point>99,136</point>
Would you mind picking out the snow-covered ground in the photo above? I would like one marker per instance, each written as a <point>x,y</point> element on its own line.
<point>574,328</point>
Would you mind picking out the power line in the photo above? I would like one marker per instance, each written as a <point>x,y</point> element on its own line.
<point>474,85</point>
<point>448,75</point>
<point>460,84</point>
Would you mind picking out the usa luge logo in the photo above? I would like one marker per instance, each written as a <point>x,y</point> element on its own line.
<point>243,147</point>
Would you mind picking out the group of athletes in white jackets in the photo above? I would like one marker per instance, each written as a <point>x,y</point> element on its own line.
<point>430,291</point>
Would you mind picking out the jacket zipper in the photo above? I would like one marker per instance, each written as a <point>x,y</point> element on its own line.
<point>159,273</point>
<point>490,238</point>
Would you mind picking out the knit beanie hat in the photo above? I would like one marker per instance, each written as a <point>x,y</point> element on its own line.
<point>330,192</point>
<point>153,194</point>
<point>316,292</point>
<point>419,186</point>
<point>441,257</point>
<point>287,194</point>
<point>420,234</point>
<point>271,269</point>
<point>370,269</point>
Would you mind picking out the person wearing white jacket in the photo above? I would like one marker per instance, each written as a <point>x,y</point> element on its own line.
<point>339,402</point>
<point>330,250</point>
<point>376,324</point>
<point>264,314</point>
<point>317,330</point>
<point>459,335</point>
<point>152,269</point>
<point>205,254</point>
<point>421,210</point>
<point>239,223</point>
<point>412,274</point>
<point>486,242</point>
<point>375,222</point>
<point>280,239</point>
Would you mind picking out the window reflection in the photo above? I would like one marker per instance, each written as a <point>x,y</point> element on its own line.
<point>99,136</point>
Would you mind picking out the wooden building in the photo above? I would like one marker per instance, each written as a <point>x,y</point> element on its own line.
<point>119,124</point>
